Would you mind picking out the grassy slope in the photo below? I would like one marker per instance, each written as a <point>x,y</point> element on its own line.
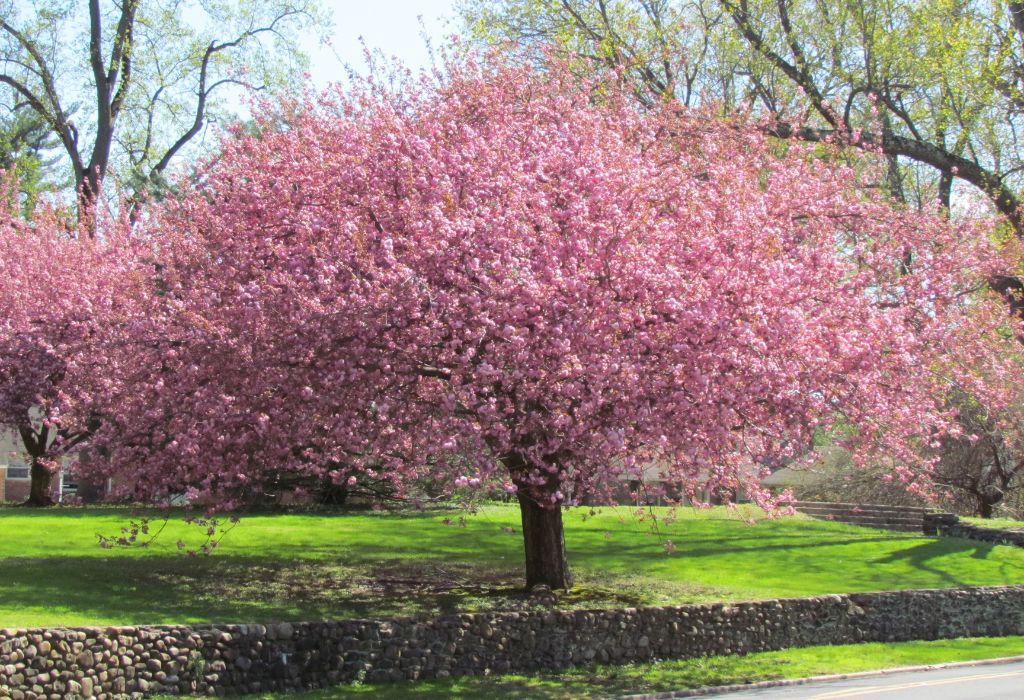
<point>362,564</point>
<point>604,681</point>
<point>994,522</point>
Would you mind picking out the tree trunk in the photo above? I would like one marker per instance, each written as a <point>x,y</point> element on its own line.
<point>40,492</point>
<point>544,541</point>
<point>985,508</point>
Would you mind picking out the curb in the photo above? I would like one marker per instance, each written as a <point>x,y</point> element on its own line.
<point>722,689</point>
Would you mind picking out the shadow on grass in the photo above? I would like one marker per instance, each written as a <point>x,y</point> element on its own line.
<point>340,564</point>
<point>174,589</point>
<point>159,589</point>
<point>919,556</point>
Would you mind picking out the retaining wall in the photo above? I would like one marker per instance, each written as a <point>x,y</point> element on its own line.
<point>903,518</point>
<point>119,662</point>
<point>949,525</point>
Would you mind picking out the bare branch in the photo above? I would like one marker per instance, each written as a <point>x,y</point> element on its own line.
<point>203,91</point>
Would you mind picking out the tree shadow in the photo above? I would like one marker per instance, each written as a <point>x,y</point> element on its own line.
<point>919,556</point>
<point>167,589</point>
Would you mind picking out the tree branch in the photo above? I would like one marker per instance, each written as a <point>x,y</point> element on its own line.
<point>1017,17</point>
<point>203,91</point>
<point>121,56</point>
<point>1004,199</point>
<point>741,17</point>
<point>48,106</point>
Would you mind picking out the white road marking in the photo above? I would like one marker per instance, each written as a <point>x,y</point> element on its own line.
<point>855,692</point>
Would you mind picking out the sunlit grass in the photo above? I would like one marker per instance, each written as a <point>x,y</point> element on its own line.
<point>605,681</point>
<point>994,522</point>
<point>358,564</point>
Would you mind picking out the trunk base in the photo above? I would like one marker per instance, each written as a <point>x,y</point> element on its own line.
<point>544,541</point>
<point>41,491</point>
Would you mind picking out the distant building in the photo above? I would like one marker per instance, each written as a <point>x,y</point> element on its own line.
<point>14,471</point>
<point>15,475</point>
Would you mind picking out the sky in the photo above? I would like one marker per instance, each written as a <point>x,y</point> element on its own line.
<point>395,27</point>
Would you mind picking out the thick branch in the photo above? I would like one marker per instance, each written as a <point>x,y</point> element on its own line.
<point>1017,17</point>
<point>797,73</point>
<point>48,105</point>
<point>203,91</point>
<point>107,103</point>
<point>99,75</point>
<point>434,372</point>
<point>121,56</point>
<point>1004,199</point>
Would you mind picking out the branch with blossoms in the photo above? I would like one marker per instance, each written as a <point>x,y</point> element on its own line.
<point>144,531</point>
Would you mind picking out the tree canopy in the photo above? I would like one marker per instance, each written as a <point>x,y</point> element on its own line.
<point>62,292</point>
<point>934,85</point>
<point>507,277</point>
<point>125,87</point>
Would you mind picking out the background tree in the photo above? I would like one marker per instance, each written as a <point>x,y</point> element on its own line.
<point>508,277</point>
<point>26,146</point>
<point>664,51</point>
<point>126,86</point>
<point>934,85</point>
<point>982,468</point>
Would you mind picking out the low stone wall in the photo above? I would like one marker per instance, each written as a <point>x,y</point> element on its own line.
<point>900,518</point>
<point>118,662</point>
<point>949,525</point>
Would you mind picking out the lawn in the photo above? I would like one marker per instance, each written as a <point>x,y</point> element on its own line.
<point>359,564</point>
<point>605,681</point>
<point>1009,523</point>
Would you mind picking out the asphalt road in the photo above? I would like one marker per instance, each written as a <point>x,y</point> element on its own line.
<point>994,682</point>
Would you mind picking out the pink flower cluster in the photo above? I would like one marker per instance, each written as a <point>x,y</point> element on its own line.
<point>504,275</point>
<point>63,292</point>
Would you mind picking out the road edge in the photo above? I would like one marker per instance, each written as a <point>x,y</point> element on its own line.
<point>722,689</point>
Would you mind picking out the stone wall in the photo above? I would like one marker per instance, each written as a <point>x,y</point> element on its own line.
<point>900,518</point>
<point>120,662</point>
<point>949,525</point>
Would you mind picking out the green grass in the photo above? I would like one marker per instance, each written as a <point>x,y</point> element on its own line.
<point>356,564</point>
<point>994,522</point>
<point>604,681</point>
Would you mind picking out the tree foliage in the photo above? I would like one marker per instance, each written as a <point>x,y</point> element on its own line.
<point>25,146</point>
<point>510,278</point>
<point>125,87</point>
<point>934,85</point>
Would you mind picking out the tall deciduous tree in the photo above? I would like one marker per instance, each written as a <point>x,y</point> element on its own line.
<point>933,85</point>
<point>126,86</point>
<point>507,276</point>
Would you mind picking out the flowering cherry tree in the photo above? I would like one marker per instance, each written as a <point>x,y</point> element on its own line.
<point>61,292</point>
<point>502,276</point>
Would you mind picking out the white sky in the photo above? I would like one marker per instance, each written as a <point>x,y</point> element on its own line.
<point>395,27</point>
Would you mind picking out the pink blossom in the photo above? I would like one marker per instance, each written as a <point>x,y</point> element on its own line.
<point>493,272</point>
